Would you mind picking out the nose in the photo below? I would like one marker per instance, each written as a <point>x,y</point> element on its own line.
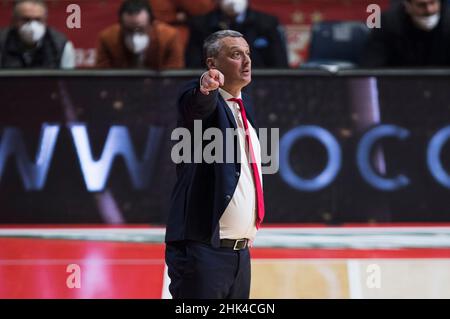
<point>247,60</point>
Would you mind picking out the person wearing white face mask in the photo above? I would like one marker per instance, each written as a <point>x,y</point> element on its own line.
<point>138,41</point>
<point>262,31</point>
<point>414,33</point>
<point>32,32</point>
<point>425,14</point>
<point>29,43</point>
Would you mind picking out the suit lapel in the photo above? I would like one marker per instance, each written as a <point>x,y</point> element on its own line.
<point>249,110</point>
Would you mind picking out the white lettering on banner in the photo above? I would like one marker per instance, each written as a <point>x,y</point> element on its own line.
<point>85,57</point>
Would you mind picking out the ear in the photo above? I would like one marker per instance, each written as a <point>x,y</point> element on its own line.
<point>210,63</point>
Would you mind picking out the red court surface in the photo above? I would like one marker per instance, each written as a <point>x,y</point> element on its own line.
<point>33,267</point>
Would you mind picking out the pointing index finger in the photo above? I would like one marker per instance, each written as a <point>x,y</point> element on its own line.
<point>213,73</point>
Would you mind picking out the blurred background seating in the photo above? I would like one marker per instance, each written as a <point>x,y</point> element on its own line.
<point>338,43</point>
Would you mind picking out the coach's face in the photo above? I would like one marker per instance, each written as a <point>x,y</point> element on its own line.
<point>234,62</point>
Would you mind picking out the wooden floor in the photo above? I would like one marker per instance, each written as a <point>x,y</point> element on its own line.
<point>351,278</point>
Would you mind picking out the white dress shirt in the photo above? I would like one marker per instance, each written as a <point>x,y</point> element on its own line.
<point>238,220</point>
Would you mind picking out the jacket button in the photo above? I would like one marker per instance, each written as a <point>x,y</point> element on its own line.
<point>227,198</point>
<point>238,174</point>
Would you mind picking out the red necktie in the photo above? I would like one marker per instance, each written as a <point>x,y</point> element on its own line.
<point>256,178</point>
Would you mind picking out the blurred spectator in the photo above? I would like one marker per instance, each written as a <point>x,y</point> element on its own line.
<point>178,12</point>
<point>30,43</point>
<point>262,31</point>
<point>414,33</point>
<point>139,41</point>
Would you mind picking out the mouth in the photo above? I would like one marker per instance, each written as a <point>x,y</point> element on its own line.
<point>246,71</point>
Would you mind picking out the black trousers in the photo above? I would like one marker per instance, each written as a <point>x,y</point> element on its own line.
<point>199,271</point>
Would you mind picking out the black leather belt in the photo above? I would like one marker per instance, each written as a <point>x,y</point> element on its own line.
<point>236,244</point>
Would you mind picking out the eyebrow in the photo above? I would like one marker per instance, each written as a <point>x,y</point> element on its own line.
<point>238,47</point>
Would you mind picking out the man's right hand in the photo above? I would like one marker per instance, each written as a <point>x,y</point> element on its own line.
<point>211,80</point>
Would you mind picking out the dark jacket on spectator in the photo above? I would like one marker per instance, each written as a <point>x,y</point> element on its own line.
<point>48,54</point>
<point>399,43</point>
<point>262,32</point>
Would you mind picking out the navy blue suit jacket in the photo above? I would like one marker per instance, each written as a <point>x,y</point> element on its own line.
<point>203,191</point>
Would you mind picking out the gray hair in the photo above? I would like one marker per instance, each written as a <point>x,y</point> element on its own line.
<point>18,2</point>
<point>212,44</point>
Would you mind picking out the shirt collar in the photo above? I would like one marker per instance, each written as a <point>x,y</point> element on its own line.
<point>226,96</point>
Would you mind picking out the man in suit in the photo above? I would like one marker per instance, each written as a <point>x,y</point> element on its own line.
<point>139,41</point>
<point>218,206</point>
<point>262,31</point>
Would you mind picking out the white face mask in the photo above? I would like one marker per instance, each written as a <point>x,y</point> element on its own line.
<point>234,7</point>
<point>32,32</point>
<point>137,42</point>
<point>427,23</point>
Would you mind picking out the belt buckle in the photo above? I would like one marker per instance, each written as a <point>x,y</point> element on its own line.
<point>237,243</point>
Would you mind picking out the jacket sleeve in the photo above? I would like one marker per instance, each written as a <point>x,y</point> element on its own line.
<point>174,53</point>
<point>197,7</point>
<point>376,50</point>
<point>194,49</point>
<point>103,59</point>
<point>194,105</point>
<point>167,10</point>
<point>278,45</point>
<point>3,34</point>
